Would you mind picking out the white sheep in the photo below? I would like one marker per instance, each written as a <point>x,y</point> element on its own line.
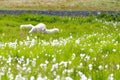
<point>30,26</point>
<point>41,27</point>
<point>38,28</point>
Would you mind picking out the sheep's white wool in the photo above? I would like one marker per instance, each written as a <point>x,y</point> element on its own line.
<point>48,31</point>
<point>41,27</point>
<point>30,26</point>
<point>38,28</point>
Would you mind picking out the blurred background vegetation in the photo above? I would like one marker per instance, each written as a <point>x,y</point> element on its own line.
<point>60,5</point>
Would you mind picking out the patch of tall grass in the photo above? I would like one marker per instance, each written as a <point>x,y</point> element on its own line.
<point>86,48</point>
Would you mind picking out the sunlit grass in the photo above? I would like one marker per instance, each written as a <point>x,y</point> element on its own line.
<point>86,48</point>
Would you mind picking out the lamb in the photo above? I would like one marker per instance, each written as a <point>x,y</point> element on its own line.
<point>41,27</point>
<point>30,26</point>
<point>38,28</point>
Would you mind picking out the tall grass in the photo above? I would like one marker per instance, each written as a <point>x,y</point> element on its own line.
<point>86,48</point>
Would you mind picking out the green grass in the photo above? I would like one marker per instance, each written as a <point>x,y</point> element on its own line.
<point>81,42</point>
<point>60,5</point>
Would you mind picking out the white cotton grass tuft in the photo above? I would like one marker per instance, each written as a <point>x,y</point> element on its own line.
<point>111,77</point>
<point>90,66</point>
<point>32,78</point>
<point>82,76</point>
<point>68,78</point>
<point>80,65</point>
<point>19,77</point>
<point>57,77</point>
<point>2,44</point>
<point>117,66</point>
<point>100,67</point>
<point>41,78</point>
<point>114,50</point>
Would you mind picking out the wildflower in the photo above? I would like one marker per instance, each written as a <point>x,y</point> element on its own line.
<point>54,73</point>
<point>18,67</point>
<point>34,62</point>
<point>54,66</point>
<point>55,42</point>
<point>44,66</point>
<point>28,69</point>
<point>44,43</point>
<point>0,57</point>
<point>71,37</point>
<point>63,63</point>
<point>41,78</point>
<point>46,62</point>
<point>28,38</point>
<point>54,59</point>
<point>69,62</point>
<point>91,50</point>
<point>73,56</point>
<point>94,58</point>
<point>90,66</point>
<point>68,71</point>
<point>77,41</point>
<point>87,58</point>
<point>114,50</point>
<point>32,42</point>
<point>27,61</point>
<point>57,77</point>
<point>82,55</point>
<point>32,78</point>
<point>68,78</point>
<point>2,74</point>
<point>106,66</point>
<point>83,77</point>
<point>100,67</point>
<point>118,66</point>
<point>89,78</point>
<point>9,59</point>
<point>2,44</point>
<point>12,44</point>
<point>110,77</point>
<point>80,65</point>
<point>19,77</point>
<point>11,76</point>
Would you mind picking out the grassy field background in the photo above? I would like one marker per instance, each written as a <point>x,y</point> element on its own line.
<point>86,48</point>
<point>60,4</point>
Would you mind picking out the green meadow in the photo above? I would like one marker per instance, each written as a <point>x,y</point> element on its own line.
<point>85,48</point>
